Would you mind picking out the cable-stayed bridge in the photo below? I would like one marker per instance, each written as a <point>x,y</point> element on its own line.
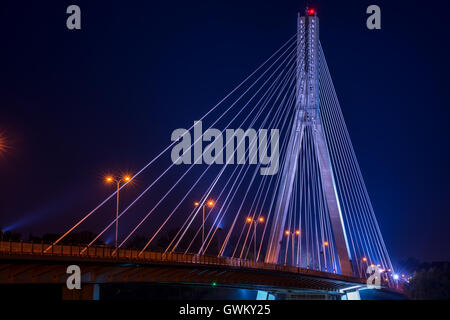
<point>266,181</point>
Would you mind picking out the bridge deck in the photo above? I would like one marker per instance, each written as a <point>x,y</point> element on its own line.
<point>105,265</point>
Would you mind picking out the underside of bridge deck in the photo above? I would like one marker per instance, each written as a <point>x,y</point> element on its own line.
<point>53,271</point>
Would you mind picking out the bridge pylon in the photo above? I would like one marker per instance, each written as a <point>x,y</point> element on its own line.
<point>307,120</point>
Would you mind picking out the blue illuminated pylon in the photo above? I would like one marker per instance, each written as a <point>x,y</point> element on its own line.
<point>307,117</point>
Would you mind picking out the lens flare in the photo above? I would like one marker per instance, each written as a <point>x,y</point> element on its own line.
<point>4,146</point>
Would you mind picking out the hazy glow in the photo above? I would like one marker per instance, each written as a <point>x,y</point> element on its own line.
<point>4,146</point>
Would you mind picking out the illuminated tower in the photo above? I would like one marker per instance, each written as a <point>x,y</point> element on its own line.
<point>307,117</point>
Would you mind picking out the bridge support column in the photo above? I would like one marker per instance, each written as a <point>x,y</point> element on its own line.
<point>353,295</point>
<point>89,291</point>
<point>307,119</point>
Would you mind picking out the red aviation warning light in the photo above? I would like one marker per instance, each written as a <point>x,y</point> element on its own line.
<point>311,12</point>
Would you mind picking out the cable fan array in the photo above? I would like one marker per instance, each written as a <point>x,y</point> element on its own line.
<point>162,214</point>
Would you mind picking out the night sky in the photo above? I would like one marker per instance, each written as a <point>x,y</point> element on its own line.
<point>76,105</point>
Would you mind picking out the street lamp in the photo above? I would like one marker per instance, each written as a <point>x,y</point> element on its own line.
<point>293,234</point>
<point>209,203</point>
<point>255,222</point>
<point>364,266</point>
<point>118,181</point>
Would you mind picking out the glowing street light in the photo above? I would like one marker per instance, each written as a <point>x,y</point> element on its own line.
<point>209,203</point>
<point>118,181</point>
<point>288,233</point>
<point>325,243</point>
<point>364,265</point>
<point>255,222</point>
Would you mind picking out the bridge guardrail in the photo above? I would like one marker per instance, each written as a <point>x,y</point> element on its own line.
<point>102,252</point>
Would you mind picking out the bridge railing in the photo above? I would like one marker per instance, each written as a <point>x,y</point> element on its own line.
<point>107,253</point>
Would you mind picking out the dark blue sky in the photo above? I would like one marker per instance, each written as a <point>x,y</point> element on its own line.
<point>75,105</point>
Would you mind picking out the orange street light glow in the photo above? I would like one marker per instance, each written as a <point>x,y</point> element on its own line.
<point>3,143</point>
<point>117,181</point>
<point>287,232</point>
<point>364,259</point>
<point>297,232</point>
<point>196,204</point>
<point>261,219</point>
<point>249,220</point>
<point>325,243</point>
<point>210,203</point>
